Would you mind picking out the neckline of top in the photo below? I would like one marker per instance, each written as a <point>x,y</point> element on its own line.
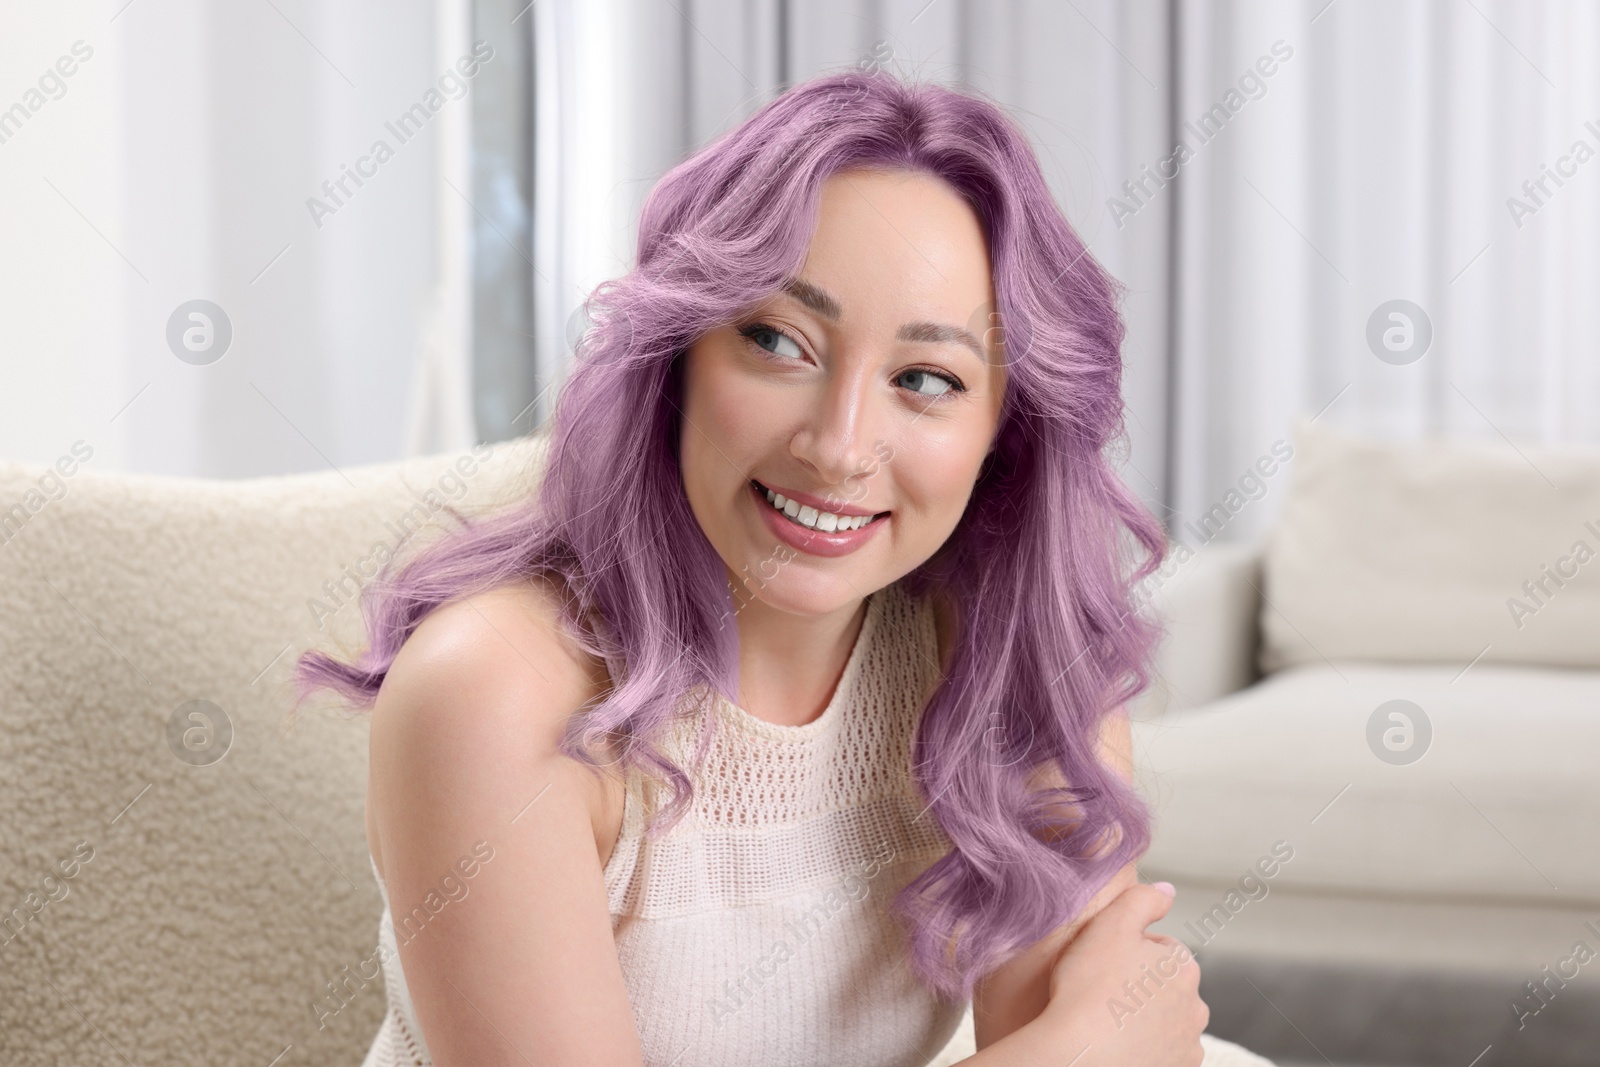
<point>842,692</point>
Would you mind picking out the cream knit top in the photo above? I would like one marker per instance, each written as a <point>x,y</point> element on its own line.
<point>757,931</point>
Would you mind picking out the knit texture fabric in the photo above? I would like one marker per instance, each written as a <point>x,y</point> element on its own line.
<point>757,929</point>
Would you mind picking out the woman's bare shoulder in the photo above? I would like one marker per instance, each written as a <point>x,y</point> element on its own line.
<point>464,755</point>
<point>501,651</point>
<point>475,703</point>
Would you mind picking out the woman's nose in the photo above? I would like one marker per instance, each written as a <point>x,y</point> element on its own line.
<point>836,437</point>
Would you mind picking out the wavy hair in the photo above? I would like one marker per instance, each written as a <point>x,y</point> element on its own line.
<point>1047,639</point>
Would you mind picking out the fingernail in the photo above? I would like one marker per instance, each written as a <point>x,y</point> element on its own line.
<point>1166,887</point>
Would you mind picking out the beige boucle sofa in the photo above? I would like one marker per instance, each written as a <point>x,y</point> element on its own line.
<point>181,910</point>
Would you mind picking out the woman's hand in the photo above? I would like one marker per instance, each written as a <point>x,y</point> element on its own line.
<point>1126,997</point>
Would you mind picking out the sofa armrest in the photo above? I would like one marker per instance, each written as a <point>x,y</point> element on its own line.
<point>1210,604</point>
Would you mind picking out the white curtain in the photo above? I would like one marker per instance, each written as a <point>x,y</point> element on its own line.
<point>439,414</point>
<point>190,156</point>
<point>1441,153</point>
<point>1339,156</point>
<point>1378,166</point>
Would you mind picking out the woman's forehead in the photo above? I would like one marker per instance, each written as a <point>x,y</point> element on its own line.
<point>897,251</point>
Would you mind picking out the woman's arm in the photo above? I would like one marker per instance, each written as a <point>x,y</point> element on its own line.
<point>1015,994</point>
<point>521,967</point>
<point>1049,1040</point>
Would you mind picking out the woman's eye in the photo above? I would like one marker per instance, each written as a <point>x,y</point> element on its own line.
<point>772,340</point>
<point>916,380</point>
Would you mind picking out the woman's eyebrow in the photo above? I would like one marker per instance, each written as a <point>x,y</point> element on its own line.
<point>939,333</point>
<point>818,300</point>
<point>824,304</point>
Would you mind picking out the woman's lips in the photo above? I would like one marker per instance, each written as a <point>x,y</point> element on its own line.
<point>816,542</point>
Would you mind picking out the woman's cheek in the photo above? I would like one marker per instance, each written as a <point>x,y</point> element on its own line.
<point>934,480</point>
<point>744,407</point>
<point>722,410</point>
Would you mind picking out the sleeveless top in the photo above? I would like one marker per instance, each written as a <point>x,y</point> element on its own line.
<point>757,929</point>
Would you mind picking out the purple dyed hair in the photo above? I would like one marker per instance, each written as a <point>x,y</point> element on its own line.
<point>1047,640</point>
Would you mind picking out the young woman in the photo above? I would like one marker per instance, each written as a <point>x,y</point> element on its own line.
<point>785,719</point>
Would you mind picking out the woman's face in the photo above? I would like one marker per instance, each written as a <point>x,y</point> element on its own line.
<point>869,392</point>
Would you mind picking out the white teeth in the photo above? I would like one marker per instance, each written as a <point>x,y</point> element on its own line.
<point>805,515</point>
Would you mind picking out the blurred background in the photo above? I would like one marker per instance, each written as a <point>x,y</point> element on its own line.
<point>1336,157</point>
<point>347,241</point>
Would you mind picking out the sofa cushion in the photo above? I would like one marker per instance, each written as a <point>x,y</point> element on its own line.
<point>1500,804</point>
<point>1433,551</point>
<point>192,912</point>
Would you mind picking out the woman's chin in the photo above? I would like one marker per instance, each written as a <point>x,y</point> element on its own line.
<point>812,595</point>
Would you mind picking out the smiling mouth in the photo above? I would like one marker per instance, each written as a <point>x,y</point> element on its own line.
<point>809,518</point>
